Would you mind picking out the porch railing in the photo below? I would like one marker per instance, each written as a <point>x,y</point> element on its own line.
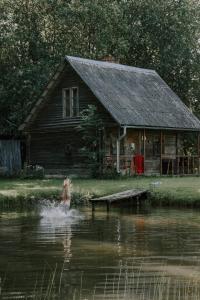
<point>180,164</point>
<point>170,165</point>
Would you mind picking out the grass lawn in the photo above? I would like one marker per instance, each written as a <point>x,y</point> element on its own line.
<point>169,190</point>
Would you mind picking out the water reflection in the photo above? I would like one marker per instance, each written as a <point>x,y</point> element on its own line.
<point>56,222</point>
<point>61,254</point>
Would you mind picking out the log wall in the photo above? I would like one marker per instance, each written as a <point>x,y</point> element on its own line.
<point>54,142</point>
<point>50,116</point>
<point>57,152</point>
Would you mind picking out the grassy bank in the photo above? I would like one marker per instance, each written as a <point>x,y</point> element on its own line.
<point>170,191</point>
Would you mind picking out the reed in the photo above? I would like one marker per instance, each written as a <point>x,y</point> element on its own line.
<point>135,286</point>
<point>128,284</point>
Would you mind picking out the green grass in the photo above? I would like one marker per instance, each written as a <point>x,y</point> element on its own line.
<point>183,191</point>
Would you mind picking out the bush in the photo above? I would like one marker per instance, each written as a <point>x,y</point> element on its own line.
<point>32,171</point>
<point>110,174</point>
<point>91,128</point>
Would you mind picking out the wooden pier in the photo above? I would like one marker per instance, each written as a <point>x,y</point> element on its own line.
<point>134,196</point>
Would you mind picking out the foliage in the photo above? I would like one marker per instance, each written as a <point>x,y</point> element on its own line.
<point>91,128</point>
<point>36,34</point>
<point>110,174</point>
<point>163,35</point>
<point>190,144</point>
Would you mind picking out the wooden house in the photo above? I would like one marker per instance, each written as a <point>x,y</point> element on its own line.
<point>148,129</point>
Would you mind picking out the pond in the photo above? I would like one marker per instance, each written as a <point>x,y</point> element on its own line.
<point>51,254</point>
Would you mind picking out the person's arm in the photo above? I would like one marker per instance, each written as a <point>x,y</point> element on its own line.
<point>65,183</point>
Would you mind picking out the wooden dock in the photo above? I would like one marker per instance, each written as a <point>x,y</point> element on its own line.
<point>134,196</point>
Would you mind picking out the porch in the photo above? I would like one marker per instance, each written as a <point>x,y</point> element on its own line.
<point>152,152</point>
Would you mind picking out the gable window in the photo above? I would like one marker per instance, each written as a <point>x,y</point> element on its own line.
<point>70,102</point>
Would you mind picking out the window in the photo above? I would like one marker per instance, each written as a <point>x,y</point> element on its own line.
<point>70,102</point>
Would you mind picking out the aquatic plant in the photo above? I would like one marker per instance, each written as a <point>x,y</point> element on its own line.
<point>129,283</point>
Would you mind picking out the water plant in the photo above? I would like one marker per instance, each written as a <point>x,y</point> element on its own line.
<point>130,282</point>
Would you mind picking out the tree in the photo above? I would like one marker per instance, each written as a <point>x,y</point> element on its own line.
<point>36,34</point>
<point>91,129</point>
<point>163,36</point>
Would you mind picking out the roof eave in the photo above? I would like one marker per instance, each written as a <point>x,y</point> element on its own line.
<point>160,128</point>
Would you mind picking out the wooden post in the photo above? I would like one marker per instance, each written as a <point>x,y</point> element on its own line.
<point>178,157</point>
<point>101,150</point>
<point>193,165</point>
<point>161,150</point>
<point>144,146</point>
<point>198,152</point>
<point>118,156</point>
<point>140,142</point>
<point>93,206</point>
<point>177,160</point>
<point>118,151</point>
<point>183,171</point>
<point>168,166</point>
<point>137,201</point>
<point>108,205</point>
<point>120,137</point>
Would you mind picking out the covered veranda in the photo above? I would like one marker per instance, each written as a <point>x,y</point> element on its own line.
<point>133,151</point>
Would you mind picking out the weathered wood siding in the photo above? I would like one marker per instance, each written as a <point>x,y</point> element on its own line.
<point>57,152</point>
<point>51,115</point>
<point>54,141</point>
<point>10,157</point>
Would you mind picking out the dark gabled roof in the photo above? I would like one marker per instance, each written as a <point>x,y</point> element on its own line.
<point>134,96</point>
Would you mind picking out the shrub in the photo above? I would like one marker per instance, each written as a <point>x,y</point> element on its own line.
<point>91,128</point>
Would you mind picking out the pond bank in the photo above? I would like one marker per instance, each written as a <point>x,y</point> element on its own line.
<point>164,191</point>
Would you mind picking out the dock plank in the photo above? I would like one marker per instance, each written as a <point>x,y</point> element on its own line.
<point>134,193</point>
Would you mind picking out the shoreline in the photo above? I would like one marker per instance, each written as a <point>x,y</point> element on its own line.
<point>181,192</point>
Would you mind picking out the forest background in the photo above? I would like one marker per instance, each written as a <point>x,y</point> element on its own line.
<point>35,35</point>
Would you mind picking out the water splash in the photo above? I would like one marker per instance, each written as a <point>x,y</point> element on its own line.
<point>58,213</point>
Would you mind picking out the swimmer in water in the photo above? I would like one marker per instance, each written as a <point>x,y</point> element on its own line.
<point>66,194</point>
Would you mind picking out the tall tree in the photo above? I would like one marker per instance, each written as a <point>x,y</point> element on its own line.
<point>163,35</point>
<point>36,34</point>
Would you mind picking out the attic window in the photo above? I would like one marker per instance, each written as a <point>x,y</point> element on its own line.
<point>70,102</point>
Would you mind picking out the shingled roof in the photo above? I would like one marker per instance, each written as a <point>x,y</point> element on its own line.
<point>134,96</point>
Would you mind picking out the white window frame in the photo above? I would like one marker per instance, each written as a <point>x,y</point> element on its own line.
<point>71,115</point>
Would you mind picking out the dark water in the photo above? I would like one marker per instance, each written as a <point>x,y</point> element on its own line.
<point>48,254</point>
